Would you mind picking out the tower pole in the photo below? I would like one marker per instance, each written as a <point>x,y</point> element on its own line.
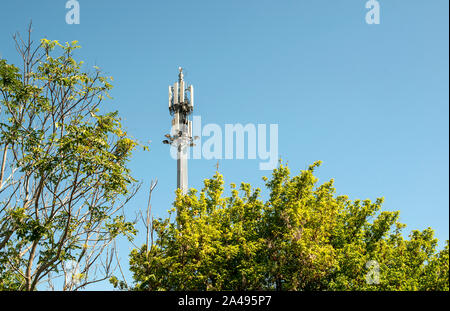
<point>182,167</point>
<point>181,107</point>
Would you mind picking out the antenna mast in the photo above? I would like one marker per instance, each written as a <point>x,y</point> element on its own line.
<point>181,107</point>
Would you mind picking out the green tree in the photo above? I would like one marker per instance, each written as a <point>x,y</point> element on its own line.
<point>64,179</point>
<point>304,237</point>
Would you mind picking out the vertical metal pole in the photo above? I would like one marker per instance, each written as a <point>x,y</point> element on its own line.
<point>182,168</point>
<point>181,107</point>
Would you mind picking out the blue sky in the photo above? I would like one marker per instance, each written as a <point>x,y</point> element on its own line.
<point>370,101</point>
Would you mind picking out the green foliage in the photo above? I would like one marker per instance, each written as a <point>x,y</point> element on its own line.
<point>64,171</point>
<point>303,238</point>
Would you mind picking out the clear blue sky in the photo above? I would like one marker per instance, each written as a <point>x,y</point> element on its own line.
<point>370,101</point>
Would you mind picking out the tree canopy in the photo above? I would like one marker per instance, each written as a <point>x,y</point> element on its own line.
<point>64,178</point>
<point>304,237</point>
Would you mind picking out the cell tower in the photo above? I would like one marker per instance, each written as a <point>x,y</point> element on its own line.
<point>181,107</point>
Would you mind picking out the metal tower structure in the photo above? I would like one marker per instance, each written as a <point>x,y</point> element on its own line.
<point>181,107</point>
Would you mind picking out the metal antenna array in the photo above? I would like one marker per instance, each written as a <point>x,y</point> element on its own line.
<point>181,107</point>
